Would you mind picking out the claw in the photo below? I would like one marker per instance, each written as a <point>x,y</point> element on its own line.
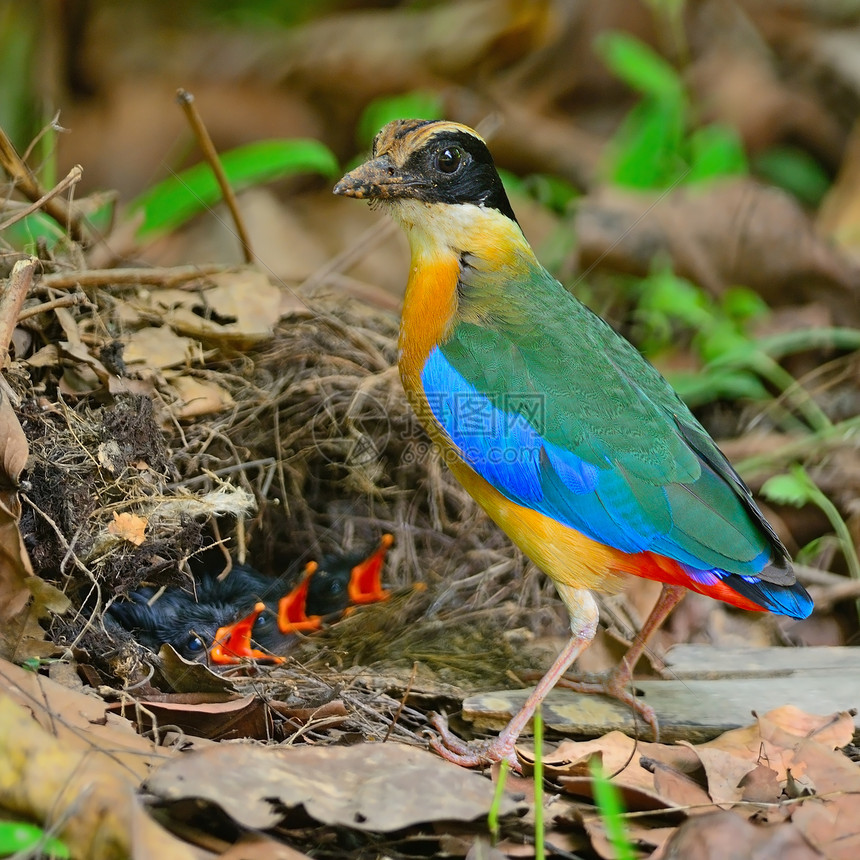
<point>474,754</point>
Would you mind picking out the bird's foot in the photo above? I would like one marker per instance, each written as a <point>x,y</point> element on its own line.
<point>614,684</point>
<point>476,753</point>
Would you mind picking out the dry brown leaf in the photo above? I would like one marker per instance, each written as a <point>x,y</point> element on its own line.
<point>761,785</point>
<point>160,347</point>
<point>69,765</point>
<point>78,792</point>
<point>24,598</point>
<point>242,309</point>
<point>370,787</point>
<point>830,730</point>
<point>256,846</point>
<point>198,398</point>
<point>832,825</point>
<point>776,738</point>
<point>13,443</point>
<point>725,773</point>
<point>727,836</point>
<point>621,756</point>
<point>677,787</point>
<point>197,714</point>
<point>482,850</point>
<point>70,714</point>
<point>183,676</point>
<point>129,527</point>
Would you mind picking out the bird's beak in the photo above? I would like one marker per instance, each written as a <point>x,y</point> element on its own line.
<point>292,608</point>
<point>378,179</point>
<point>365,581</point>
<point>233,643</point>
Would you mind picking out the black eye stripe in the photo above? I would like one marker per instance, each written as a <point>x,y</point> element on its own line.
<point>473,180</point>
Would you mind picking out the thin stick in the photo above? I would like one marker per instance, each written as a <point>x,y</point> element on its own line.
<point>163,277</point>
<point>402,704</point>
<point>186,102</point>
<point>72,178</point>
<point>58,208</point>
<point>12,299</point>
<point>62,302</point>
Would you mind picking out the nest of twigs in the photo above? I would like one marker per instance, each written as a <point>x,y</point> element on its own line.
<point>318,451</point>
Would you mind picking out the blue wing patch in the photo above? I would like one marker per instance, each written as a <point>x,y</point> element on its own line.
<point>506,450</point>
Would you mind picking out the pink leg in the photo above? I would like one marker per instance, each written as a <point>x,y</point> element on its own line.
<point>615,683</point>
<point>583,624</point>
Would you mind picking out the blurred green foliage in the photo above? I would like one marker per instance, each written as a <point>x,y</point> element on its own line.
<point>798,489</point>
<point>657,145</point>
<point>20,108</point>
<point>668,305</point>
<point>184,195</point>
<point>24,839</point>
<point>794,170</point>
<point>417,104</point>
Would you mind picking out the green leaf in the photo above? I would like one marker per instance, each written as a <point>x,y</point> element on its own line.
<point>647,150</point>
<point>639,66</point>
<point>722,342</point>
<point>677,298</point>
<point>418,104</point>
<point>793,489</point>
<point>715,151</point>
<point>742,304</point>
<point>795,171</point>
<point>24,234</point>
<point>20,836</point>
<point>177,199</point>
<point>811,553</point>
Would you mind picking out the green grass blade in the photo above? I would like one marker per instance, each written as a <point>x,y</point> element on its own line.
<point>608,801</point>
<point>493,814</point>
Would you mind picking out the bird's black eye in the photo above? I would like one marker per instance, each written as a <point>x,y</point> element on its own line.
<point>194,645</point>
<point>449,159</point>
<point>261,622</point>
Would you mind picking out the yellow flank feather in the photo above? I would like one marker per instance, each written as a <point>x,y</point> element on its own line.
<point>564,554</point>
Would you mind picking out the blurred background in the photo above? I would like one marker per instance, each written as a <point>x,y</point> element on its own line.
<point>690,169</point>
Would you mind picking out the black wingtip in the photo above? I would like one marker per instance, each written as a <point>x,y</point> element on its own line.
<point>791,600</point>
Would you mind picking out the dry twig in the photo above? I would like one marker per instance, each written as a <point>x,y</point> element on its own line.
<point>58,208</point>
<point>186,102</point>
